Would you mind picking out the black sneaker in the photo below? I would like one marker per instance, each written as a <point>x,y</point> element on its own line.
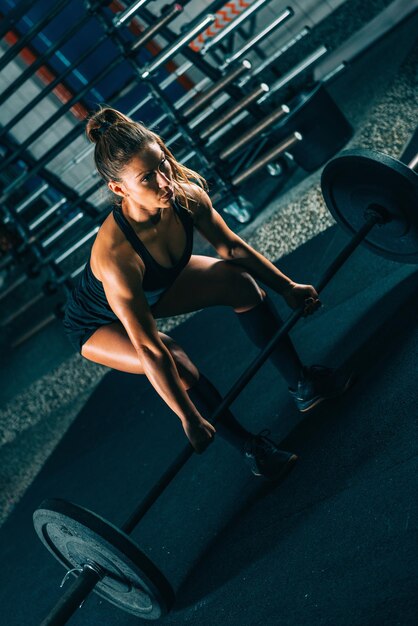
<point>266,459</point>
<point>319,383</point>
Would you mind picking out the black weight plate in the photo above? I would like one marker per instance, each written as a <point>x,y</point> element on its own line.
<point>76,536</point>
<point>358,179</point>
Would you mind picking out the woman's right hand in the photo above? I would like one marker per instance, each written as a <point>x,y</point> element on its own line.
<point>199,432</point>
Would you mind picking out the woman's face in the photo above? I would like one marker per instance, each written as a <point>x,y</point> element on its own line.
<point>146,179</point>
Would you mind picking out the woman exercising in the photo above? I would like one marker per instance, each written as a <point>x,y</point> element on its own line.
<point>142,268</point>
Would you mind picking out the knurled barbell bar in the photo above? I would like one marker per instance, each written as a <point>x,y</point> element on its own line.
<point>374,197</point>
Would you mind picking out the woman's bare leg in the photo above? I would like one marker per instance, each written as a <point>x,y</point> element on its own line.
<point>111,346</point>
<point>206,281</point>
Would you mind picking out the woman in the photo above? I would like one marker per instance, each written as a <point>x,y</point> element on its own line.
<point>141,268</point>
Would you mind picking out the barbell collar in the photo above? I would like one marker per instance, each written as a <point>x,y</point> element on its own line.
<point>74,595</point>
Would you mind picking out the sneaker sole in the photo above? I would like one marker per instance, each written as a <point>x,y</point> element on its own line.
<point>320,399</point>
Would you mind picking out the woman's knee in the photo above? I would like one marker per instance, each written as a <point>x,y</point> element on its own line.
<point>246,292</point>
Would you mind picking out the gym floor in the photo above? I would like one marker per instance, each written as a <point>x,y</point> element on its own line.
<point>335,543</point>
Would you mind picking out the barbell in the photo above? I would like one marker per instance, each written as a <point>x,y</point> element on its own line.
<point>375,198</point>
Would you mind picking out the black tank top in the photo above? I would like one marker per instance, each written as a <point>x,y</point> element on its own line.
<point>156,276</point>
<point>87,307</point>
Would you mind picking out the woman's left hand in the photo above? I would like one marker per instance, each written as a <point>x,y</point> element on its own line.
<point>297,295</point>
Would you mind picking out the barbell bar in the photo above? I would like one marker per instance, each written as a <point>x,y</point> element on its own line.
<point>254,7</point>
<point>279,84</point>
<point>206,96</point>
<point>176,46</point>
<point>260,127</point>
<point>154,29</point>
<point>278,53</point>
<point>129,12</point>
<point>251,98</point>
<point>308,62</point>
<point>360,188</point>
<point>314,115</point>
<point>287,144</point>
<point>268,30</point>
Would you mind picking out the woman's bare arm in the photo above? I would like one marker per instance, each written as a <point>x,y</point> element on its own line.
<point>122,282</point>
<point>234,249</point>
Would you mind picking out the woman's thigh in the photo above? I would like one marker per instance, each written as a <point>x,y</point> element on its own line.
<point>111,346</point>
<point>206,281</point>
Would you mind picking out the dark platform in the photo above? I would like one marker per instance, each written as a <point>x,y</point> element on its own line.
<point>335,544</point>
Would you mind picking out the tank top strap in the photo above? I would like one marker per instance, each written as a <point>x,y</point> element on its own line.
<point>129,232</point>
<point>185,217</point>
